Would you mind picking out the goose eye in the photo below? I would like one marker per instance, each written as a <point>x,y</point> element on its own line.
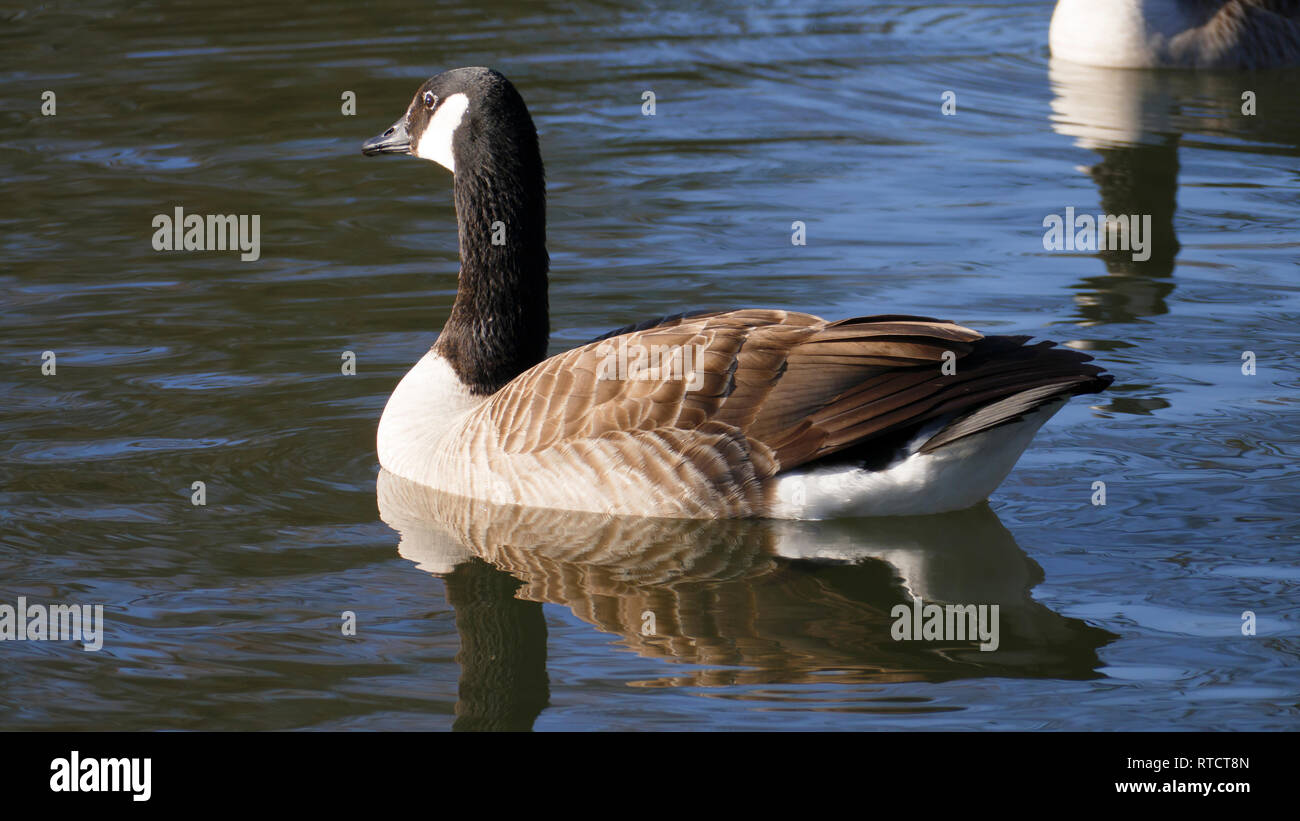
<point>430,100</point>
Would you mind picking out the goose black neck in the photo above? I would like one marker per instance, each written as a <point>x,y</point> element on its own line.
<point>499,324</point>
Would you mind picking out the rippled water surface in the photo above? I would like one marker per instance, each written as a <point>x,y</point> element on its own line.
<point>174,368</point>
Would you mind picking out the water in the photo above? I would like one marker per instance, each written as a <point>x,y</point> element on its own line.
<point>181,367</point>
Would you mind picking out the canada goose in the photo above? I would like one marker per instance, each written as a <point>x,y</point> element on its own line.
<point>1243,34</point>
<point>744,413</point>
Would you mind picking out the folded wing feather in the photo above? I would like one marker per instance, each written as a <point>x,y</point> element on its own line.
<point>799,386</point>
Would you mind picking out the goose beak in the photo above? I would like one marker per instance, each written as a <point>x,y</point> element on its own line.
<point>393,141</point>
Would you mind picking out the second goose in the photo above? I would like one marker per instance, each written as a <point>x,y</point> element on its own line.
<point>738,413</point>
<point>1210,34</point>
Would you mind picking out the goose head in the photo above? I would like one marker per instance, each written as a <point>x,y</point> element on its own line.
<point>462,118</point>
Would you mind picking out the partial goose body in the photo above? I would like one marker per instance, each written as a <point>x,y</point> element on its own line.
<point>1232,34</point>
<point>792,417</point>
<point>728,414</point>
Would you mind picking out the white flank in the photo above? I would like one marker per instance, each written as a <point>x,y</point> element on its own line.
<point>953,477</point>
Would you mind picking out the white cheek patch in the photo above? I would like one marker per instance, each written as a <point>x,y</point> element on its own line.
<point>435,142</point>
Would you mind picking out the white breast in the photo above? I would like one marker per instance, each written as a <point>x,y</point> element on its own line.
<point>427,404</point>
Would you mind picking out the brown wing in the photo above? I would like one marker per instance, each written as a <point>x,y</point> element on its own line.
<point>803,387</point>
<point>1245,34</point>
<point>1285,8</point>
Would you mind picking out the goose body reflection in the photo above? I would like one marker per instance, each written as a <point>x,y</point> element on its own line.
<point>748,601</point>
<point>1233,34</point>
<point>1135,121</point>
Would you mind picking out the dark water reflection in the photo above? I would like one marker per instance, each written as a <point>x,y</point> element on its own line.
<point>750,602</point>
<point>1135,121</point>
